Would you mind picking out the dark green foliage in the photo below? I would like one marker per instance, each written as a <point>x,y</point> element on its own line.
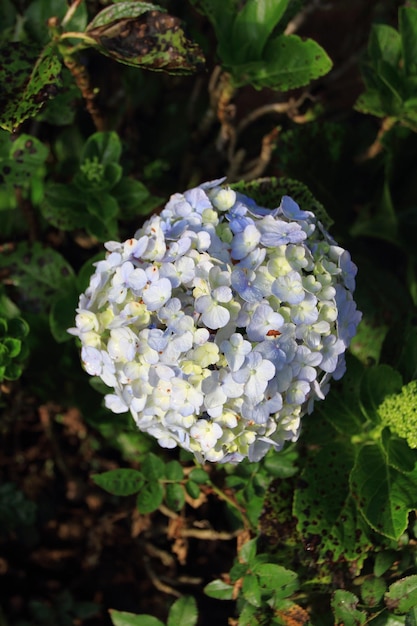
<point>99,194</point>
<point>252,52</point>
<point>13,347</point>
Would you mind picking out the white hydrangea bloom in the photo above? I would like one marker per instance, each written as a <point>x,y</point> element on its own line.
<point>220,323</point>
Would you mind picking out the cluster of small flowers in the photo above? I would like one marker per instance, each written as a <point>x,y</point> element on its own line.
<point>220,322</point>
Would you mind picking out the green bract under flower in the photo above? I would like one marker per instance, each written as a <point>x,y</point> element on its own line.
<point>220,322</point>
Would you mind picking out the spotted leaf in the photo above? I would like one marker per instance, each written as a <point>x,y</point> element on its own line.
<point>153,40</point>
<point>28,79</point>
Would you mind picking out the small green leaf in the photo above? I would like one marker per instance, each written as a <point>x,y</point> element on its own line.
<point>401,596</point>
<point>26,155</point>
<point>28,78</point>
<point>192,489</point>
<point>383,561</point>
<point>344,605</point>
<point>18,327</point>
<point>174,496</point>
<point>219,589</point>
<point>183,612</point>
<point>372,590</point>
<point>121,10</point>
<point>153,467</point>
<point>174,470</point>
<point>13,347</point>
<point>199,476</point>
<point>120,482</point>
<point>150,497</point>
<point>122,618</point>
<point>282,581</point>
<point>103,206</point>
<point>248,551</point>
<point>105,146</point>
<point>251,590</point>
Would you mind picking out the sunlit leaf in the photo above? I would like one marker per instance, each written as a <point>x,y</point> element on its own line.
<point>183,612</point>
<point>344,605</point>
<point>401,596</point>
<point>122,618</point>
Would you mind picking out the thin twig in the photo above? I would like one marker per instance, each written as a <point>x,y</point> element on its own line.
<point>89,93</point>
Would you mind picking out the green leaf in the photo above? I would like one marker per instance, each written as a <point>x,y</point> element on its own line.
<point>219,589</point>
<point>344,605</point>
<point>122,10</point>
<point>64,207</point>
<point>248,616</point>
<point>193,489</point>
<point>399,453</point>
<point>407,17</point>
<point>377,383</point>
<point>122,618</point>
<point>28,78</point>
<point>134,199</point>
<point>37,274</point>
<point>325,509</point>
<point>252,27</point>
<point>251,590</point>
<point>153,467</point>
<point>26,155</point>
<point>384,45</point>
<point>402,595</point>
<point>13,347</point>
<point>174,496</point>
<point>372,590</point>
<point>103,146</point>
<point>18,327</point>
<point>383,494</point>
<point>174,470</point>
<point>199,476</point>
<point>102,206</point>
<point>342,408</point>
<point>281,465</point>
<point>150,497</point>
<point>289,62</point>
<point>61,314</point>
<point>383,561</point>
<point>282,581</point>
<point>183,612</point>
<point>248,551</point>
<point>120,482</point>
<point>153,40</point>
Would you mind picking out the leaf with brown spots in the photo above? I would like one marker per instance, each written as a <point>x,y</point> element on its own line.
<point>292,614</point>
<point>28,79</point>
<point>153,40</point>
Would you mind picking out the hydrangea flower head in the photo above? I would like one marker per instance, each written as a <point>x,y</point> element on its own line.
<point>220,323</point>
